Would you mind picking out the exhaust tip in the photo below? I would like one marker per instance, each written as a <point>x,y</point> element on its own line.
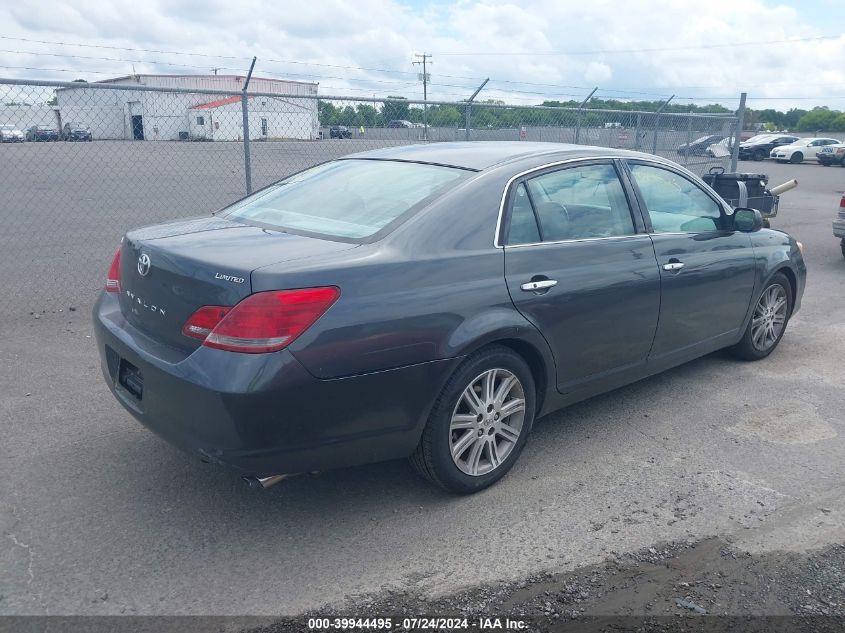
<point>263,482</point>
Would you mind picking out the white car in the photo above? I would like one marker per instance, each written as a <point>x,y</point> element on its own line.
<point>10,134</point>
<point>801,150</point>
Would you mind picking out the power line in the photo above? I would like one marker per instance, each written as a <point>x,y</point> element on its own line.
<point>645,50</point>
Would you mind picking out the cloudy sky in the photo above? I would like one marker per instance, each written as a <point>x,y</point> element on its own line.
<point>784,53</point>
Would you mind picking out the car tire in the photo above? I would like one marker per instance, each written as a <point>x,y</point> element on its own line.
<point>796,158</point>
<point>764,332</point>
<point>842,246</point>
<point>480,435</point>
<point>759,154</point>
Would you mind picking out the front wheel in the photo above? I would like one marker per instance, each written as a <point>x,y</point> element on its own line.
<point>842,243</point>
<point>768,322</point>
<point>479,422</point>
<point>759,155</point>
<point>796,158</point>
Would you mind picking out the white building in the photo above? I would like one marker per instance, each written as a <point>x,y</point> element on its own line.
<point>165,116</point>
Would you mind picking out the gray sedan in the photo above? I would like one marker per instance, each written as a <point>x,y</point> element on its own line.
<point>430,302</point>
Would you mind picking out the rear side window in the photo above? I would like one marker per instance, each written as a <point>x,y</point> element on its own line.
<point>348,199</point>
<point>675,204</point>
<point>580,203</point>
<point>523,227</point>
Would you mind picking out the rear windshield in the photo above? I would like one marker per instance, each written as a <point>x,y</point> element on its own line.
<point>351,199</point>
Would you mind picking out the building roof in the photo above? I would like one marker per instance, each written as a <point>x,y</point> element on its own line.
<point>479,155</point>
<point>190,76</point>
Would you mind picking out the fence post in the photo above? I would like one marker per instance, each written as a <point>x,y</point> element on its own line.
<point>637,135</point>
<point>740,122</point>
<point>468,108</point>
<point>657,123</point>
<point>245,112</point>
<point>578,118</point>
<point>689,138</point>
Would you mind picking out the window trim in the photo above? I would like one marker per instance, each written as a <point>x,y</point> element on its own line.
<point>724,215</point>
<point>506,205</point>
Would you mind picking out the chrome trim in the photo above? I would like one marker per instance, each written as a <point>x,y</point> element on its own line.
<point>582,239</point>
<point>663,162</point>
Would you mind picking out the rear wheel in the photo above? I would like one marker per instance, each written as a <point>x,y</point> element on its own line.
<point>842,243</point>
<point>768,322</point>
<point>479,423</point>
<point>796,158</point>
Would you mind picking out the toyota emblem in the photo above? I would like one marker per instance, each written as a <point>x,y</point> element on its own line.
<point>144,265</point>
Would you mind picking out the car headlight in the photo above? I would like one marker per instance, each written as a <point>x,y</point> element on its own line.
<point>800,247</point>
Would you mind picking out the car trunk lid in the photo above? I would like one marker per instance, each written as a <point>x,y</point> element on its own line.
<point>168,271</point>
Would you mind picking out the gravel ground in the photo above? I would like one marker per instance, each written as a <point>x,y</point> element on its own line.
<point>707,585</point>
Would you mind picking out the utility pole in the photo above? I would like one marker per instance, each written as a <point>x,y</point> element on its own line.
<point>424,57</point>
<point>214,70</point>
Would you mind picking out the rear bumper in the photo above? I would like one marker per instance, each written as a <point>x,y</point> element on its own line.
<point>264,414</point>
<point>839,228</point>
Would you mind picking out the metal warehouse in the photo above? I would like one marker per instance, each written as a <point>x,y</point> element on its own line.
<point>164,116</point>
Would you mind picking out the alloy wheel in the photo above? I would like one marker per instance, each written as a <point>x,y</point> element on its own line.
<point>769,317</point>
<point>487,422</point>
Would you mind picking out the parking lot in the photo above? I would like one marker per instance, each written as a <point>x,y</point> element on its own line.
<point>99,516</point>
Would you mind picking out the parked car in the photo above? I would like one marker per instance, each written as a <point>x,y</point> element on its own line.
<point>76,132</point>
<point>760,146</point>
<point>340,131</point>
<point>801,150</point>
<point>832,155</point>
<point>400,123</point>
<point>722,148</point>
<point>699,146</point>
<point>431,301</point>
<point>42,133</point>
<point>839,225</point>
<point>10,134</point>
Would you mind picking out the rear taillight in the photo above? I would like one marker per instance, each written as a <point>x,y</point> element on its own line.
<point>113,278</point>
<point>203,321</point>
<point>842,203</point>
<point>263,322</point>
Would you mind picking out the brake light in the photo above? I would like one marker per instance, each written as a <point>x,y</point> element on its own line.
<point>263,322</point>
<point>842,203</point>
<point>113,278</point>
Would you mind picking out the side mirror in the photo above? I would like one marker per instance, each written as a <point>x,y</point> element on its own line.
<point>747,220</point>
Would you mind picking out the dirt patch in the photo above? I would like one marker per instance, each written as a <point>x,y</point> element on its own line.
<point>704,586</point>
<point>788,422</point>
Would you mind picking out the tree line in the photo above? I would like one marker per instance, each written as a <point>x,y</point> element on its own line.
<point>398,108</point>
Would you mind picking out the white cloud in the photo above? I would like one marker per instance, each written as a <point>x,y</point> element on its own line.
<point>470,39</point>
<point>598,72</point>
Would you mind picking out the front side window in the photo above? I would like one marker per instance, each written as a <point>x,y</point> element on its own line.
<point>675,204</point>
<point>351,199</point>
<point>580,203</point>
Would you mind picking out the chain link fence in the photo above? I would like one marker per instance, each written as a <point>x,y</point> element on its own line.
<point>82,163</point>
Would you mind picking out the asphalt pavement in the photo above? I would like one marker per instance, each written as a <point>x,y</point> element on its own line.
<point>98,516</point>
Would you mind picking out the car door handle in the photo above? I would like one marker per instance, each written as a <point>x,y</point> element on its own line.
<point>674,265</point>
<point>542,284</point>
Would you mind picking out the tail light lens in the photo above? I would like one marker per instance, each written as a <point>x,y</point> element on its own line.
<point>113,278</point>
<point>263,322</point>
<point>842,203</point>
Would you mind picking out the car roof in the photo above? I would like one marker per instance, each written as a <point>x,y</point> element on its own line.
<point>481,155</point>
